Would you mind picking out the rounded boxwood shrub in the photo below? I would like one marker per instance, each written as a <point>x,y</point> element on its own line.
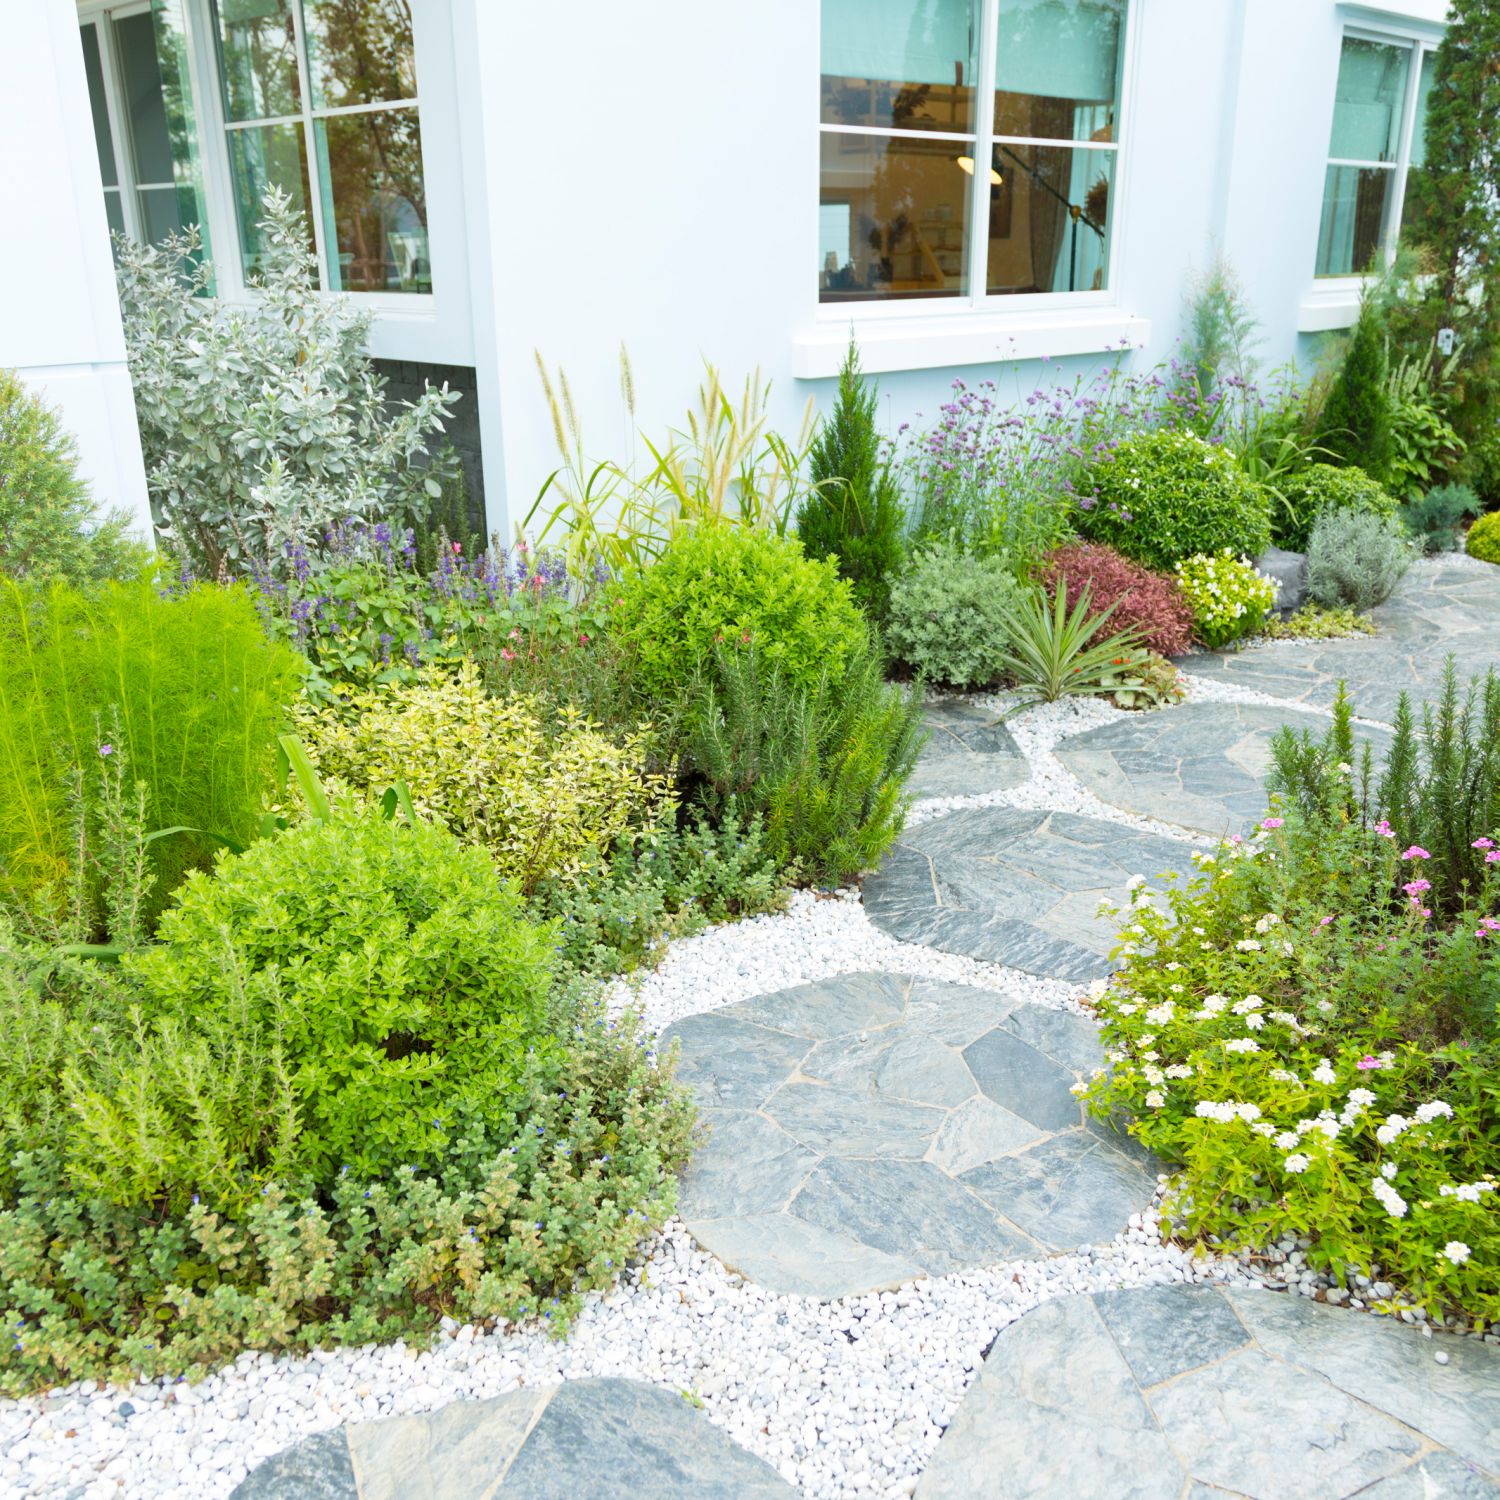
<point>1149,603</point>
<point>1484,538</point>
<point>1306,494</point>
<point>949,616</point>
<point>1161,496</point>
<point>716,584</point>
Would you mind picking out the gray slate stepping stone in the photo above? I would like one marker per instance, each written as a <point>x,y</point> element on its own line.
<point>1203,1391</point>
<point>586,1439</point>
<point>1017,886</point>
<point>1440,607</point>
<point>966,754</point>
<point>931,1128</point>
<point>1202,766</point>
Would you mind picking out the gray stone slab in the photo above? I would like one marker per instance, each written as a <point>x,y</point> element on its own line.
<point>1252,1425</point>
<point>1054,1413</point>
<point>1438,1476</point>
<point>317,1468</point>
<point>1068,1191</point>
<point>1165,1330</point>
<point>754,1167</point>
<point>730,1063</point>
<point>788,1255</point>
<point>980,1131</point>
<point>459,1452</point>
<point>827,1119</point>
<point>620,1440</point>
<point>828,1007</point>
<point>912,1210</point>
<point>1025,1081</point>
<point>894,1063</point>
<point>954,1014</point>
<point>967,753</point>
<point>1070,1039</point>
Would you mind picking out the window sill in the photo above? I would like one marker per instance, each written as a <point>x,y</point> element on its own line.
<point>887,345</point>
<point>1331,306</point>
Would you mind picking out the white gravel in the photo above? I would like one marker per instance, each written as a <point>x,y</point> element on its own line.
<point>845,1398</point>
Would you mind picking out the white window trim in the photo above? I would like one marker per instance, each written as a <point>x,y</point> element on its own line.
<point>939,331</point>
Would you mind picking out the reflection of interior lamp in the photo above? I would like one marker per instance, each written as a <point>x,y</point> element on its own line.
<point>967,163</point>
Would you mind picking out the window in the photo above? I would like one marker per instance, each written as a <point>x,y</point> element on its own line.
<point>968,148</point>
<point>1378,141</point>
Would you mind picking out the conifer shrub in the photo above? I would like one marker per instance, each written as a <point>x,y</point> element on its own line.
<point>48,527</point>
<point>198,693</point>
<point>1166,494</point>
<point>949,615</point>
<point>854,510</point>
<point>1434,518</point>
<point>1355,424</point>
<point>716,584</point>
<point>1483,540</point>
<point>1149,603</point>
<point>1355,558</point>
<point>1309,492</point>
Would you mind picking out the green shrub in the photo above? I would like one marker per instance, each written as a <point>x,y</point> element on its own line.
<point>1355,558</point>
<point>948,616</point>
<point>1309,492</point>
<point>48,527</point>
<point>200,695</point>
<point>1434,518</point>
<point>538,799</point>
<point>1484,538</point>
<point>1229,597</point>
<point>1164,495</point>
<point>1356,419</point>
<point>716,584</point>
<point>855,511</point>
<point>1314,623</point>
<point>826,766</point>
<point>1052,651</point>
<point>1320,1062</point>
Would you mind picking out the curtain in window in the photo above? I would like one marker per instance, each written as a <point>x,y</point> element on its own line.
<point>917,41</point>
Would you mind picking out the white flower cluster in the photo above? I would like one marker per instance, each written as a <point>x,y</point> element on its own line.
<point>1225,1111</point>
<point>1466,1192</point>
<point>1390,1200</point>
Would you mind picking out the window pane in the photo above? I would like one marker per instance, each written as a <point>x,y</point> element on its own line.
<point>1417,211</point>
<point>113,211</point>
<point>909,64</point>
<point>892,218</point>
<point>372,167</point>
<point>261,157</point>
<point>1354,208</point>
<point>140,79</point>
<point>1057,68</point>
<point>99,108</point>
<point>258,56</point>
<point>359,51</point>
<point>1368,104</point>
<point>1049,219</point>
<point>161,212</point>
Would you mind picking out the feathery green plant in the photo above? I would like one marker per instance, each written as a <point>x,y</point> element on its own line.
<point>1052,651</point>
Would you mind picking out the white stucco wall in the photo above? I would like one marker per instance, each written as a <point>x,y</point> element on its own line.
<point>59,317</point>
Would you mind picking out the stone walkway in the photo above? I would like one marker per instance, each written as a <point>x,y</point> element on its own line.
<point>1016,886</point>
<point>968,753</point>
<point>1196,1391</point>
<point>870,1129</point>
<point>1439,609</point>
<point>584,1440</point>
<point>1201,766</point>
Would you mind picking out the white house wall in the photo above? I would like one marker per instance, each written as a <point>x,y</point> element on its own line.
<point>59,317</point>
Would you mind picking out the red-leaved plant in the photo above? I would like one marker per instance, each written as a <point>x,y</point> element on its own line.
<point>1149,602</point>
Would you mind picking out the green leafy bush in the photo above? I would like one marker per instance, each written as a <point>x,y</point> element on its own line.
<point>1434,518</point>
<point>538,797</point>
<point>1355,558</point>
<point>1319,1062</point>
<point>1484,538</point>
<point>826,767</point>
<point>1311,491</point>
<point>1140,680</point>
<point>948,616</point>
<point>48,527</point>
<point>1164,495</point>
<point>854,511</point>
<point>200,695</point>
<point>716,584</point>
<point>1052,651</point>
<point>1229,597</point>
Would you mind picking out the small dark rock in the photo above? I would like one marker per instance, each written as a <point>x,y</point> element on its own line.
<point>1289,569</point>
<point>126,1408</point>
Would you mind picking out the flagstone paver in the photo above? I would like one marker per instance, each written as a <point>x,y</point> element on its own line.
<point>891,1128</point>
<point>968,753</point>
<point>1197,1390</point>
<point>1016,886</point>
<point>1201,766</point>
<point>585,1439</point>
<point>1439,608</point>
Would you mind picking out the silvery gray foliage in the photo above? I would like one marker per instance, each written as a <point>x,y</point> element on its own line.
<point>1356,558</point>
<point>264,424</point>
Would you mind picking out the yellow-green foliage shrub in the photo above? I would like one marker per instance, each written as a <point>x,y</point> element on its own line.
<point>1484,538</point>
<point>542,801</point>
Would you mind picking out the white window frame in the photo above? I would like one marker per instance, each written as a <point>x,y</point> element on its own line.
<point>979,301</point>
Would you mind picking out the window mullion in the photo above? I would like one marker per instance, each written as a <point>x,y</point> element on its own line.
<point>1397,198</point>
<point>984,153</point>
<point>119,128</point>
<point>310,146</point>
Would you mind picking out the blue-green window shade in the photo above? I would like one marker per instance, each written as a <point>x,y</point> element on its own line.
<point>916,41</point>
<point>1368,104</point>
<point>1059,49</point>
